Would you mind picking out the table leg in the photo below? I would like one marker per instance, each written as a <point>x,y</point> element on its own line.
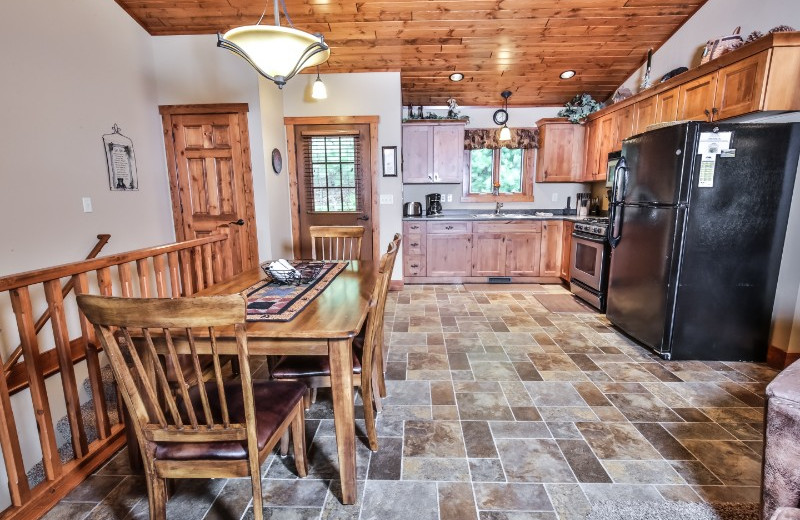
<point>340,353</point>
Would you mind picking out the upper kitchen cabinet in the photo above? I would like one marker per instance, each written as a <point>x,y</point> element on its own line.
<point>740,86</point>
<point>591,158</point>
<point>645,114</point>
<point>560,156</point>
<point>667,106</point>
<point>696,99</point>
<point>433,152</point>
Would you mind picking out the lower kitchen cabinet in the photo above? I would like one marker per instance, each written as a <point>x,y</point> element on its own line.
<point>449,254</point>
<point>522,254</point>
<point>566,249</point>
<point>550,254</point>
<point>488,254</point>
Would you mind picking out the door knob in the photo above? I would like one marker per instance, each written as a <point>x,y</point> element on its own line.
<point>239,222</point>
<point>363,217</point>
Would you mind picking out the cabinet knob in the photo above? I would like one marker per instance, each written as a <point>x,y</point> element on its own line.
<point>414,244</point>
<point>708,114</point>
<point>448,227</point>
<point>714,111</point>
<point>414,265</point>
<point>545,174</point>
<point>414,227</point>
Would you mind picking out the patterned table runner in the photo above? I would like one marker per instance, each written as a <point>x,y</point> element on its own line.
<point>270,301</point>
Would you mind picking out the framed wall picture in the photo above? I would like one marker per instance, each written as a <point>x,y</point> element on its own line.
<point>120,160</point>
<point>389,161</point>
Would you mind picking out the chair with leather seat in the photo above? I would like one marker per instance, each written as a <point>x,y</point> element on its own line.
<point>315,370</point>
<point>213,429</point>
<point>380,353</point>
<point>336,242</point>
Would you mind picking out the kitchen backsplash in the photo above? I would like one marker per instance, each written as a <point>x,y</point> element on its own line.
<point>542,196</point>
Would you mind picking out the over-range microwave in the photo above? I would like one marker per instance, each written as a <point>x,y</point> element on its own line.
<point>613,159</point>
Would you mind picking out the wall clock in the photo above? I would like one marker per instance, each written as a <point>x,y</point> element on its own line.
<point>277,161</point>
<point>500,117</point>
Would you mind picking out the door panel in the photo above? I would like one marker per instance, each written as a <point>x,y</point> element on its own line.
<point>334,180</point>
<point>639,280</point>
<point>488,254</point>
<point>667,106</point>
<point>449,254</point>
<point>523,253</point>
<point>741,86</point>
<point>211,182</point>
<point>696,98</point>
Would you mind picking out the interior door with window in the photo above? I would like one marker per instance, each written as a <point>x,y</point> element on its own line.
<point>334,180</point>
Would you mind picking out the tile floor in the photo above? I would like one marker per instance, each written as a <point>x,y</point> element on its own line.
<point>499,409</point>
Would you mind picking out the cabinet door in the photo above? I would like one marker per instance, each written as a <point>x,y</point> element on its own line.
<point>560,154</point>
<point>448,153</point>
<point>488,254</point>
<point>566,249</point>
<point>449,254</point>
<point>550,264</point>
<point>645,114</point>
<point>592,146</point>
<point>667,106</point>
<point>522,254</point>
<point>696,98</point>
<point>608,140</point>
<point>624,125</point>
<point>740,87</point>
<point>417,153</point>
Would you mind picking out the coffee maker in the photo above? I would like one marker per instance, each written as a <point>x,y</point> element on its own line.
<point>433,204</point>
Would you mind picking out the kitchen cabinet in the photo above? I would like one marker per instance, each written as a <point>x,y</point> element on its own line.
<point>523,253</point>
<point>625,117</point>
<point>667,106</point>
<point>696,99</point>
<point>645,114</point>
<point>740,86</point>
<point>488,254</point>
<point>560,154</point>
<point>449,255</point>
<point>433,152</point>
<point>550,255</point>
<point>592,155</point>
<point>566,249</point>
<point>414,248</point>
<point>506,248</point>
<point>608,139</point>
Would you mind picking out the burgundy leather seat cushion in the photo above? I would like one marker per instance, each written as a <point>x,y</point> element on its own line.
<point>297,367</point>
<point>274,400</point>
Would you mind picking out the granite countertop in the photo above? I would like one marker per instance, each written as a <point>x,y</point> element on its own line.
<point>504,215</point>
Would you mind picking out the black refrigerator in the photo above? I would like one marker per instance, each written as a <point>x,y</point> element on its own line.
<point>698,220</point>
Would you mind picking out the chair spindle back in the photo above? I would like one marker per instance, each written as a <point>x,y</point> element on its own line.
<point>336,242</point>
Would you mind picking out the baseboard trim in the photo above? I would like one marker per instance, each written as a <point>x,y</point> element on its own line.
<point>780,359</point>
<point>396,285</point>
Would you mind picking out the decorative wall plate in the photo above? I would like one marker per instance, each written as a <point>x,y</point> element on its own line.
<point>277,161</point>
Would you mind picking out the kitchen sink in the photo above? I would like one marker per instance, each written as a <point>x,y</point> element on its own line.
<point>501,215</point>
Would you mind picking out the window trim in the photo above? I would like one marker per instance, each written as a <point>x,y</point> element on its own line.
<point>528,160</point>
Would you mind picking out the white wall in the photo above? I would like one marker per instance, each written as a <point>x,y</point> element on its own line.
<point>363,94</point>
<point>193,70</point>
<point>718,18</point>
<point>715,19</point>
<point>59,94</point>
<point>543,193</point>
<point>70,71</point>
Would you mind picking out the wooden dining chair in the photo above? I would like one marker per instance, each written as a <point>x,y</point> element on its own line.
<point>380,352</point>
<point>336,242</point>
<point>315,371</point>
<point>214,429</point>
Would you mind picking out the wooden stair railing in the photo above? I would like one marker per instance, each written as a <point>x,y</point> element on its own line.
<point>172,270</point>
<point>102,240</point>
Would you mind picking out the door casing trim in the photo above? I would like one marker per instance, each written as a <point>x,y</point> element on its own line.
<point>291,152</point>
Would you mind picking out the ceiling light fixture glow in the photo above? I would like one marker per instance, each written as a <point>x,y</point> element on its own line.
<point>567,74</point>
<point>456,76</point>
<point>318,90</point>
<point>277,53</point>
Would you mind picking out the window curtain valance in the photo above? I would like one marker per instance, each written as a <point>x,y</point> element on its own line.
<point>478,138</point>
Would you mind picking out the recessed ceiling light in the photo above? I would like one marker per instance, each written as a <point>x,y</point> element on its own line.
<point>567,74</point>
<point>456,76</point>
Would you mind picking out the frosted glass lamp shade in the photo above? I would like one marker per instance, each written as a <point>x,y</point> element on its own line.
<point>505,134</point>
<point>277,53</point>
<point>318,90</point>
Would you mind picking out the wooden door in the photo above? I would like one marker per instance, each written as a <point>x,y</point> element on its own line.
<point>449,254</point>
<point>334,180</point>
<point>448,152</point>
<point>566,249</point>
<point>645,114</point>
<point>522,254</point>
<point>551,248</point>
<point>740,88</point>
<point>417,153</point>
<point>696,98</point>
<point>211,182</point>
<point>488,254</point>
<point>667,106</point>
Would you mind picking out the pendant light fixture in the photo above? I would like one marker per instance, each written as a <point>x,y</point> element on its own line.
<point>277,53</point>
<point>318,90</point>
<point>505,132</point>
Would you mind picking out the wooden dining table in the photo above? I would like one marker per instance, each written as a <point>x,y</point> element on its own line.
<point>325,327</point>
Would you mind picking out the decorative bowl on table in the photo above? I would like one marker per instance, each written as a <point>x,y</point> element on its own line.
<point>306,273</point>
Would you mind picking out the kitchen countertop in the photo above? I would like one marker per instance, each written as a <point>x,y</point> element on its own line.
<point>504,216</point>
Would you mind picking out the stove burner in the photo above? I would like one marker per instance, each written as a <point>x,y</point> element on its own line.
<point>592,226</point>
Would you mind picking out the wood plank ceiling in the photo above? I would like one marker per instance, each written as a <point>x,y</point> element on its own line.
<point>517,45</point>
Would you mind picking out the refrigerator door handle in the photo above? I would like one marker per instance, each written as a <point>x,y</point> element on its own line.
<point>615,229</point>
<point>620,180</point>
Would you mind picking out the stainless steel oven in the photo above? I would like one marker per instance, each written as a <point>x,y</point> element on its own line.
<point>590,260</point>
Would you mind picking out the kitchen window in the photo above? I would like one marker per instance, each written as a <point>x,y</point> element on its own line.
<point>495,173</point>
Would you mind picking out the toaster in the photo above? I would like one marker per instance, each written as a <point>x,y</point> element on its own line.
<point>412,209</point>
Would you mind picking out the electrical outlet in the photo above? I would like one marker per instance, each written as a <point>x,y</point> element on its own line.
<point>449,197</point>
<point>87,204</point>
<point>387,199</point>
<point>554,197</point>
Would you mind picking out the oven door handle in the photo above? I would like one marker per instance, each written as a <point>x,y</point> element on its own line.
<point>589,238</point>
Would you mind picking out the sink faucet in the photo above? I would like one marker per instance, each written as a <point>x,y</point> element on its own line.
<point>497,206</point>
